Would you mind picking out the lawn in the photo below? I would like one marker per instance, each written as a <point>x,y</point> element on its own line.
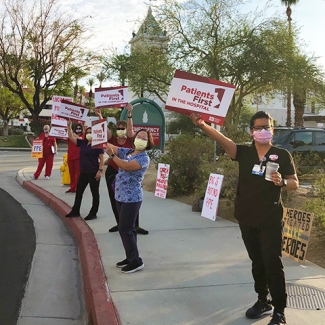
<point>14,141</point>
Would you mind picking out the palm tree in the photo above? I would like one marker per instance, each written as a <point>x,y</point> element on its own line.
<point>90,83</point>
<point>101,77</point>
<point>82,90</point>
<point>289,3</point>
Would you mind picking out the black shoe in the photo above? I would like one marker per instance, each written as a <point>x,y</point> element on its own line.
<point>122,263</point>
<point>277,319</point>
<point>113,229</point>
<point>90,217</point>
<point>132,267</point>
<point>259,309</point>
<point>72,214</point>
<point>141,231</point>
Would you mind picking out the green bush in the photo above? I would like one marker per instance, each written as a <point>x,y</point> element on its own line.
<point>307,163</point>
<point>185,156</point>
<point>17,132</point>
<point>316,205</point>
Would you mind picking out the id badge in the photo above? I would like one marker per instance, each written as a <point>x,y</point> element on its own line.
<point>258,170</point>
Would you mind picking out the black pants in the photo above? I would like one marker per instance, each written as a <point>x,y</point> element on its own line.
<point>83,181</point>
<point>264,247</point>
<point>110,177</point>
<point>128,213</point>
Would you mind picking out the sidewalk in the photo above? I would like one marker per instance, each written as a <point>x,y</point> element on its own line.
<point>196,271</point>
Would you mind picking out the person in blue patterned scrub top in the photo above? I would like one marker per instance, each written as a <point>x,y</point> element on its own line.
<point>132,163</point>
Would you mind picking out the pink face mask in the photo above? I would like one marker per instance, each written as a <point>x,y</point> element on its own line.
<point>263,136</point>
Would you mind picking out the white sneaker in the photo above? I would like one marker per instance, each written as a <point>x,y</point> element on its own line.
<point>47,177</point>
<point>32,177</point>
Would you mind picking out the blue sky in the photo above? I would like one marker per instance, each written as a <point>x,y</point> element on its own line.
<point>113,21</point>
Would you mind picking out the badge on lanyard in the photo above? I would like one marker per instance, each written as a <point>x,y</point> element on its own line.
<point>259,169</point>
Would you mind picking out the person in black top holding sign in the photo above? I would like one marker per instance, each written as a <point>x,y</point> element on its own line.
<point>258,209</point>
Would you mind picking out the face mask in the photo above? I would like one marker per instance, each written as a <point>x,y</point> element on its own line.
<point>121,133</point>
<point>78,131</point>
<point>46,130</point>
<point>140,144</point>
<point>263,136</point>
<point>88,136</point>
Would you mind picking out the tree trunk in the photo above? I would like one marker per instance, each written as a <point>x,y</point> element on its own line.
<point>5,127</point>
<point>299,102</point>
<point>289,120</point>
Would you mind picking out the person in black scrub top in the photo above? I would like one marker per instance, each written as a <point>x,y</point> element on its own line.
<point>258,209</point>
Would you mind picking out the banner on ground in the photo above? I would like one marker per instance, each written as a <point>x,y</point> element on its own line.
<point>73,111</point>
<point>111,97</point>
<point>37,149</point>
<point>296,233</point>
<point>162,180</point>
<point>190,93</point>
<point>99,133</point>
<point>211,198</point>
<point>56,102</point>
<point>59,132</point>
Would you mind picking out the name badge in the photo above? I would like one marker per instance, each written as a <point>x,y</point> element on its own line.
<point>258,170</point>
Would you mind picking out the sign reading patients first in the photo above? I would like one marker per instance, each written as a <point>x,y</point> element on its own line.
<point>111,97</point>
<point>192,93</point>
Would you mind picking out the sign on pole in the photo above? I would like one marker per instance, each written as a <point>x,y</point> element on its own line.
<point>162,180</point>
<point>59,132</point>
<point>99,133</point>
<point>56,102</point>
<point>190,93</point>
<point>296,233</point>
<point>73,111</point>
<point>211,198</point>
<point>111,97</point>
<point>37,149</point>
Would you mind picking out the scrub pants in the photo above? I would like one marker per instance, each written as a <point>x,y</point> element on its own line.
<point>48,162</point>
<point>74,171</point>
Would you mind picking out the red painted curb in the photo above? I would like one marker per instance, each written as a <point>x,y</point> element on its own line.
<point>99,303</point>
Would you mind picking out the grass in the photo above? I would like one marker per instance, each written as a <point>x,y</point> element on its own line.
<point>17,141</point>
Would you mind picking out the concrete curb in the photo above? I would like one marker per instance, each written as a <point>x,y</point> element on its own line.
<point>99,303</point>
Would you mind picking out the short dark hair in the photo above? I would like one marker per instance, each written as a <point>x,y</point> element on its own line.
<point>151,143</point>
<point>258,115</point>
<point>121,122</point>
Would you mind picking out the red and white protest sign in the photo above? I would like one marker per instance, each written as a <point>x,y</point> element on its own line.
<point>37,149</point>
<point>211,198</point>
<point>73,111</point>
<point>190,93</point>
<point>162,180</point>
<point>59,132</point>
<point>99,133</point>
<point>56,102</point>
<point>111,97</point>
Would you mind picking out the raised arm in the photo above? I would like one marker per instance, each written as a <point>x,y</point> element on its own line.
<point>129,126</point>
<point>71,136</point>
<point>227,144</point>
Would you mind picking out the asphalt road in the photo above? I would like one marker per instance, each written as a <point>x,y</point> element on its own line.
<point>17,240</point>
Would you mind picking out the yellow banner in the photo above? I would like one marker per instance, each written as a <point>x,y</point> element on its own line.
<point>296,233</point>
<point>37,149</point>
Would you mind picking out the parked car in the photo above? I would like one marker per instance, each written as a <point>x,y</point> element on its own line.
<point>300,140</point>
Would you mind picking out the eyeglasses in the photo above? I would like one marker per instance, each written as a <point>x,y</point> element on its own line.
<point>260,128</point>
<point>78,129</point>
<point>120,128</point>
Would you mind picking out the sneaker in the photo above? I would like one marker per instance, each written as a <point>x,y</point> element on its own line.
<point>277,319</point>
<point>141,231</point>
<point>113,229</point>
<point>32,177</point>
<point>259,309</point>
<point>90,217</point>
<point>122,263</point>
<point>132,267</point>
<point>70,191</point>
<point>47,177</point>
<point>72,214</point>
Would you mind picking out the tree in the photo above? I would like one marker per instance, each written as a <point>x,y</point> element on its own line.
<point>43,44</point>
<point>101,78</point>
<point>10,107</point>
<point>288,3</point>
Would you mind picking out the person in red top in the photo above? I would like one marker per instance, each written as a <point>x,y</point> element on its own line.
<point>124,139</point>
<point>73,159</point>
<point>50,148</point>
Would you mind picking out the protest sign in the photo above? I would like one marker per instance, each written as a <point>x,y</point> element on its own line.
<point>99,133</point>
<point>56,102</point>
<point>190,93</point>
<point>111,97</point>
<point>162,180</point>
<point>37,149</point>
<point>211,198</point>
<point>296,233</point>
<point>59,132</point>
<point>73,111</point>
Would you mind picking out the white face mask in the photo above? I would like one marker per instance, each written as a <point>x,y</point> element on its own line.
<point>121,133</point>
<point>140,144</point>
<point>88,136</point>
